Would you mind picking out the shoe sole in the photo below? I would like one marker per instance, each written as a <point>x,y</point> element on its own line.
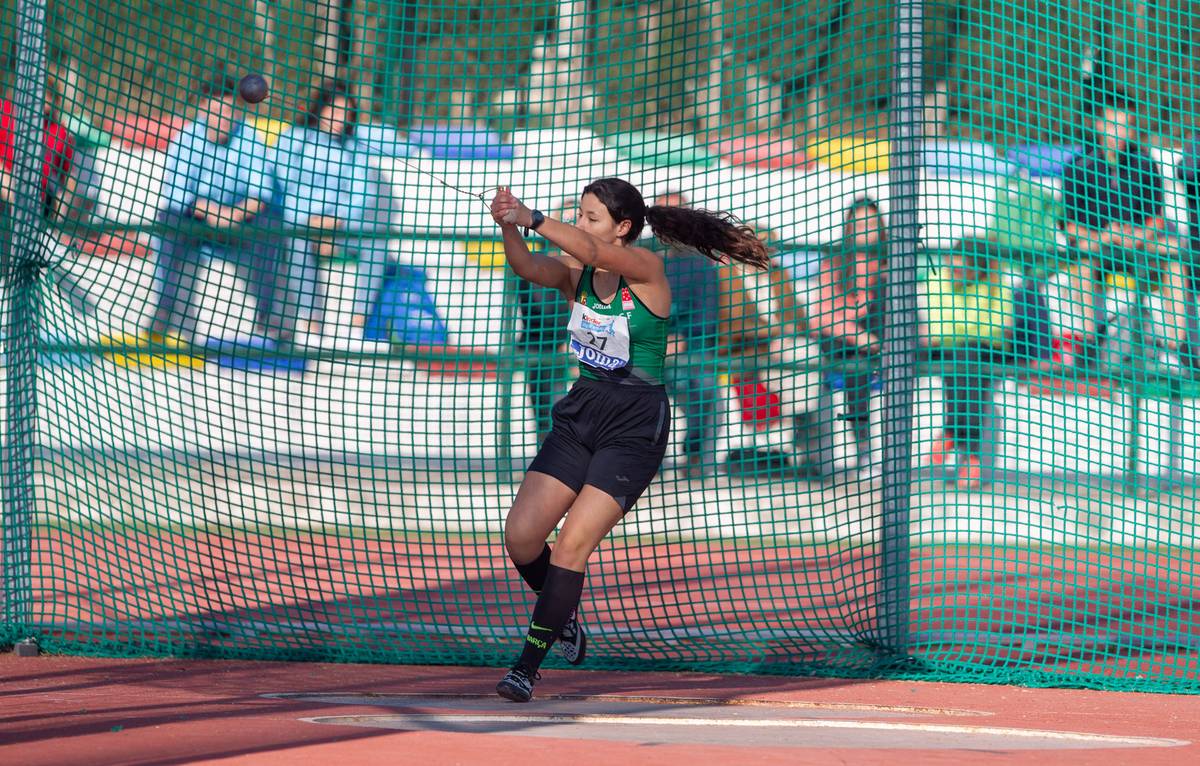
<point>581,655</point>
<point>511,693</point>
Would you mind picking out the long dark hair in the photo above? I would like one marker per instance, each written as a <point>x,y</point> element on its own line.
<point>324,96</point>
<point>715,234</point>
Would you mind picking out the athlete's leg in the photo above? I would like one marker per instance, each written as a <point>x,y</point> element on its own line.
<point>551,484</point>
<point>541,503</point>
<point>592,516</point>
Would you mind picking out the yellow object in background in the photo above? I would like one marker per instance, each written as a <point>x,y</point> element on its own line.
<point>851,155</point>
<point>269,130</point>
<point>489,253</point>
<point>156,360</point>
<point>1121,282</point>
<point>485,253</point>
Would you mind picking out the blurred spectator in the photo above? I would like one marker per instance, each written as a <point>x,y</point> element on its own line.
<point>330,185</point>
<point>692,345</point>
<point>544,312</point>
<point>218,182</point>
<point>969,314</point>
<point>847,311</point>
<point>1033,341</point>
<point>58,152</point>
<point>81,191</point>
<point>763,323</point>
<point>1114,218</point>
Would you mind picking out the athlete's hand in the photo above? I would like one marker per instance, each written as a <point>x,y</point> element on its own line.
<point>507,209</point>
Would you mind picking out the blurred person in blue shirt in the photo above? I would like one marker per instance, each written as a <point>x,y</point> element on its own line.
<point>218,201</point>
<point>329,184</point>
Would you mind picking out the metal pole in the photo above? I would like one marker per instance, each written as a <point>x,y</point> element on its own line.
<point>900,335</point>
<point>20,266</point>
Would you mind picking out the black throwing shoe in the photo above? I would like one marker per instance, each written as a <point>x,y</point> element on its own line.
<point>572,643</point>
<point>517,684</point>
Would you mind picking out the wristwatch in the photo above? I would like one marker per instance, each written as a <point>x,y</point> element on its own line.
<point>536,219</point>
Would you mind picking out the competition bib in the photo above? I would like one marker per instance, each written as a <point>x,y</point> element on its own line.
<point>598,340</point>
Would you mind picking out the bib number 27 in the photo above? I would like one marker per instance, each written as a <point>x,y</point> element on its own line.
<point>595,342</point>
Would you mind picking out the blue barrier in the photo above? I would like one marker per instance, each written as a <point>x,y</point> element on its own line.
<point>1044,160</point>
<point>252,353</point>
<point>405,312</point>
<point>951,158</point>
<point>451,143</point>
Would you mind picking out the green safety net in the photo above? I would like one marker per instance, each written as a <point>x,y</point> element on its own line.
<point>270,388</point>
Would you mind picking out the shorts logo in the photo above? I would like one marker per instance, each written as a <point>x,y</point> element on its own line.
<point>622,478</point>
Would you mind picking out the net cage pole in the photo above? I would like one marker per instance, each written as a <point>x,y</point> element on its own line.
<point>905,134</point>
<point>20,268</point>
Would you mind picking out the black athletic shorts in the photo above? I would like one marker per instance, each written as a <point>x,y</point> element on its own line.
<point>610,436</point>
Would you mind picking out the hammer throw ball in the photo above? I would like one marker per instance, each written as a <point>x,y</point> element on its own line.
<point>252,88</point>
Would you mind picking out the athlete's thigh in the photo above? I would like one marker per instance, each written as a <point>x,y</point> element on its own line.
<point>540,504</point>
<point>590,518</point>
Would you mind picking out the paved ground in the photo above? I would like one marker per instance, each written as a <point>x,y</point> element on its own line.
<point>57,711</point>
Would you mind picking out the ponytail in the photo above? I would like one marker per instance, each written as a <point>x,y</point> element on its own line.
<point>715,234</point>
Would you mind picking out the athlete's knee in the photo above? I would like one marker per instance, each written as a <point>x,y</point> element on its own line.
<point>521,539</point>
<point>572,552</point>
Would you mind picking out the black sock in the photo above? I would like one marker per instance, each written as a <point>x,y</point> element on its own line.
<point>558,599</point>
<point>535,571</point>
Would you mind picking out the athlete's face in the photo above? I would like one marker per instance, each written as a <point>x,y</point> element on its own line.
<point>595,219</point>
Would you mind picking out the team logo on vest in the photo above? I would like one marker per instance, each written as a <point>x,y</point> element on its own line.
<point>626,299</point>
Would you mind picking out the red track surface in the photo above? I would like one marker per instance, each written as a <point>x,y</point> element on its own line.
<point>1123,614</point>
<point>56,710</point>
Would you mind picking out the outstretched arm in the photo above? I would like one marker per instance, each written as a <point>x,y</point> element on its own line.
<point>538,268</point>
<point>633,263</point>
